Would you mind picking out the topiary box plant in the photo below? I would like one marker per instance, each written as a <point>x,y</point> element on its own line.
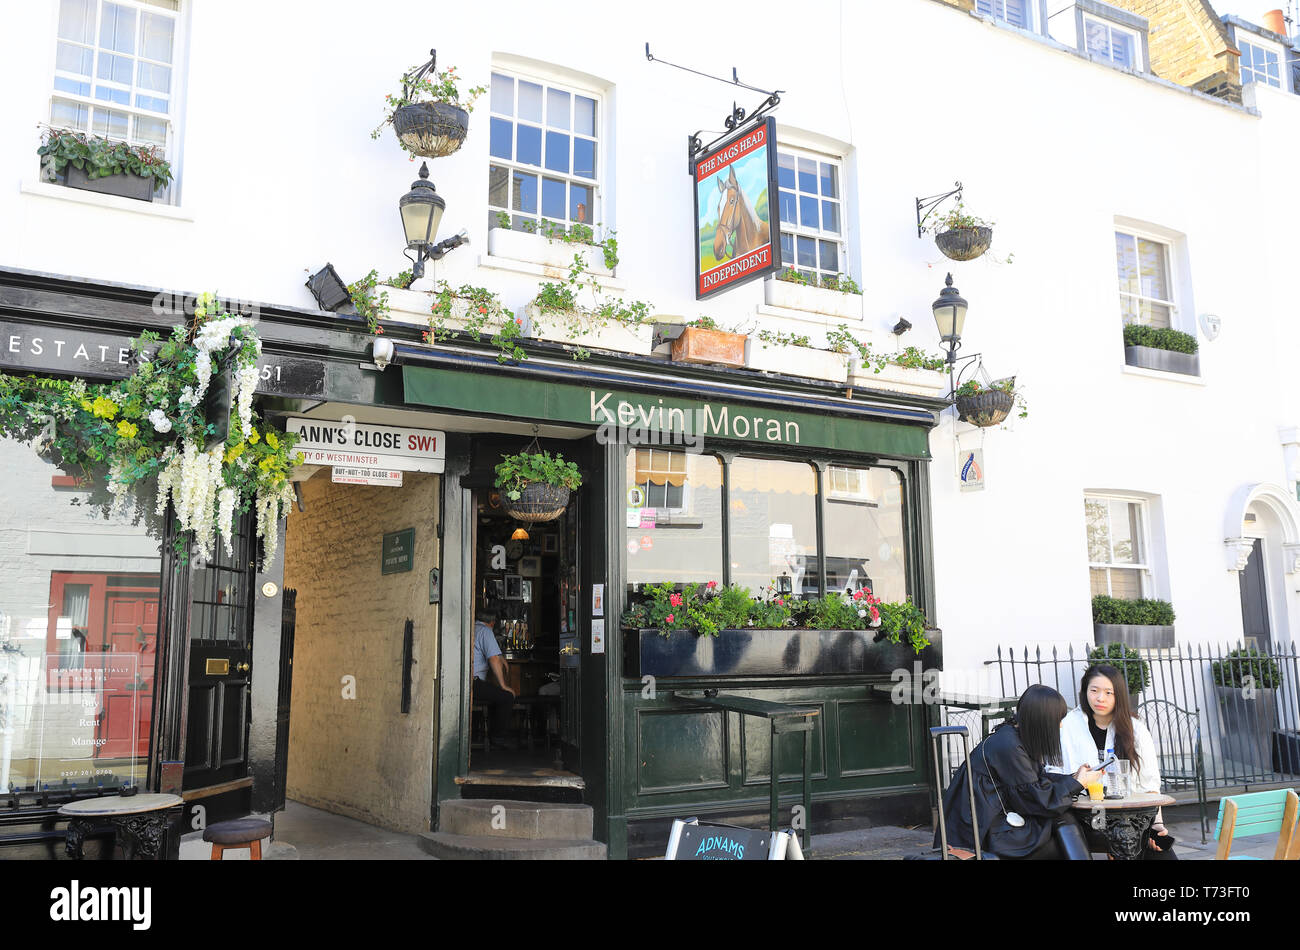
<point>1245,682</point>
<point>1128,661</point>
<point>1160,348</point>
<point>94,163</point>
<point>1147,624</point>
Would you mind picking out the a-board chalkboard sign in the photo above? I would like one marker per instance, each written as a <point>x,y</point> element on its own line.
<point>692,841</point>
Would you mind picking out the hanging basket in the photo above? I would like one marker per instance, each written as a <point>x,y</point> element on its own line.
<point>431,129</point>
<point>987,408</point>
<point>964,244</point>
<point>538,502</point>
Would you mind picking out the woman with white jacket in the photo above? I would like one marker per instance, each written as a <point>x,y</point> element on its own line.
<point>1103,723</point>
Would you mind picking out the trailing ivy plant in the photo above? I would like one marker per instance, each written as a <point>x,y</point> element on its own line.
<point>576,233</point>
<point>100,157</point>
<point>843,341</point>
<point>482,309</point>
<point>781,338</point>
<point>562,299</point>
<point>516,472</point>
<point>841,282</point>
<point>371,306</point>
<point>153,427</point>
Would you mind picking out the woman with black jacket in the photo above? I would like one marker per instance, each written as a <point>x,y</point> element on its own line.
<point>1018,803</point>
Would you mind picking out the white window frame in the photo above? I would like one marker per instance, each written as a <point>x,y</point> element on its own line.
<point>861,495</point>
<point>997,11</point>
<point>172,118</point>
<point>1171,274</point>
<point>1112,27</point>
<point>600,218</point>
<point>818,234</point>
<point>1145,569</point>
<point>1267,48</point>
<point>685,506</point>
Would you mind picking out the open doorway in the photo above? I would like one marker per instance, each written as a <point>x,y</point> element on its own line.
<point>525,588</point>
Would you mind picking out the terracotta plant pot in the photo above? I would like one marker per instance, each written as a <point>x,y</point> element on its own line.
<point>431,129</point>
<point>964,244</point>
<point>697,345</point>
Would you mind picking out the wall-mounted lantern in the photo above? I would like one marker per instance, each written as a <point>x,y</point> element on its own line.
<point>421,210</point>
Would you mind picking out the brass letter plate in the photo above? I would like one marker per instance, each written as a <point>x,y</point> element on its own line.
<point>217,668</point>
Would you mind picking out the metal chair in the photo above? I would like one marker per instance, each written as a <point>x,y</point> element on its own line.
<point>1176,733</point>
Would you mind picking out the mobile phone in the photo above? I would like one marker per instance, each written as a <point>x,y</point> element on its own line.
<point>1103,766</point>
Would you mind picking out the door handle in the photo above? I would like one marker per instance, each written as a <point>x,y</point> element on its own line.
<point>570,650</point>
<point>243,667</point>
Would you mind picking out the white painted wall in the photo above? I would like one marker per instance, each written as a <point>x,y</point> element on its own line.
<point>278,175</point>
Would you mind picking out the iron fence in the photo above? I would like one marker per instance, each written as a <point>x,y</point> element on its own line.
<point>1242,715</point>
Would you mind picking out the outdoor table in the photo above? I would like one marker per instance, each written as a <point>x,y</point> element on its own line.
<point>140,823</point>
<point>784,718</point>
<point>1121,823</point>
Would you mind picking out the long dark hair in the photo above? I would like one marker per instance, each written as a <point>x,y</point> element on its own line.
<point>1038,717</point>
<point>1122,717</point>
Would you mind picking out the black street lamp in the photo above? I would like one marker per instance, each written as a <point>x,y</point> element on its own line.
<point>422,209</point>
<point>949,315</point>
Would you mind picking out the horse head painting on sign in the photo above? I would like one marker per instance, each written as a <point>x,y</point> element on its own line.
<point>740,230</point>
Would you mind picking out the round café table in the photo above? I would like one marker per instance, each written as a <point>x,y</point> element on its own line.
<point>1121,823</point>
<point>139,822</point>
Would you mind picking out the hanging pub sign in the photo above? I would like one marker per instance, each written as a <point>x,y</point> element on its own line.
<point>735,237</point>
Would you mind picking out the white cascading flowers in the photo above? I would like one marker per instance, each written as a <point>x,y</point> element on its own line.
<point>161,424</point>
<point>192,478</point>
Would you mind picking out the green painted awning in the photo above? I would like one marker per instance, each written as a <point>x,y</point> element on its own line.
<point>537,398</point>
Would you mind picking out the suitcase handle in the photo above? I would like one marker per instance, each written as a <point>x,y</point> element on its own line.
<point>936,731</point>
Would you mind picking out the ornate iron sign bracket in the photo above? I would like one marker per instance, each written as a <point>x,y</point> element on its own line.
<point>738,118</point>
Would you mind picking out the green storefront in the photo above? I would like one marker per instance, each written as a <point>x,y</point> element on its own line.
<point>696,475</point>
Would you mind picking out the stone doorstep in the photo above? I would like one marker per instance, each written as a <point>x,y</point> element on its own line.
<point>451,847</point>
<point>508,819</point>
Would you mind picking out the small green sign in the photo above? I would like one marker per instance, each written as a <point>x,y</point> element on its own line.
<point>399,547</point>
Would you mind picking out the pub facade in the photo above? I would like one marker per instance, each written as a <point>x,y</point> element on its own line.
<point>329,659</point>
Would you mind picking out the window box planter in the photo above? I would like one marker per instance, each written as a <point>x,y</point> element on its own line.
<point>431,129</point>
<point>697,345</point>
<point>786,652</point>
<point>536,249</point>
<point>964,244</point>
<point>794,360</point>
<point>619,337</point>
<point>1137,636</point>
<point>122,184</point>
<point>916,382</point>
<point>1169,361</point>
<point>792,296</point>
<point>987,408</point>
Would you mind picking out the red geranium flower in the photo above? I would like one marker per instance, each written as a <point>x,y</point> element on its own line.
<point>675,600</point>
<point>669,618</point>
<point>780,602</point>
<point>712,584</point>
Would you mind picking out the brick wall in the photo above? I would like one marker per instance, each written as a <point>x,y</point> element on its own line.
<point>1189,45</point>
<point>362,757</point>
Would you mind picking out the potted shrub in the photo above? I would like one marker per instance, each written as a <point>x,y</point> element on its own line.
<point>702,342</point>
<point>1129,662</point>
<point>1245,681</point>
<point>535,486</point>
<point>430,117</point>
<point>708,630</point>
<point>94,163</point>
<point>1148,624</point>
<point>1171,351</point>
<point>960,236</point>
<point>989,405</point>
<point>838,296</point>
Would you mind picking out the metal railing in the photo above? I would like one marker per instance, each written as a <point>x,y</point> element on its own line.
<point>1249,736</point>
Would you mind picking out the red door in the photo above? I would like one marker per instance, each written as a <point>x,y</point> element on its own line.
<point>130,638</point>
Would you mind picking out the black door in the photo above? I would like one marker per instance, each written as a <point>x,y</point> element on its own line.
<point>1254,600</point>
<point>221,655</point>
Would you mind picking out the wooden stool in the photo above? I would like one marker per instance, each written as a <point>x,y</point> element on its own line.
<point>241,833</point>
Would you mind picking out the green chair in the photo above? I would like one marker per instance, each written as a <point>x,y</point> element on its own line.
<point>1259,813</point>
<point>1176,733</point>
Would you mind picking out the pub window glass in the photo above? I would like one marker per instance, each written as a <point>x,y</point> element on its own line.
<point>773,518</point>
<point>673,526</point>
<point>864,532</point>
<point>79,592</point>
